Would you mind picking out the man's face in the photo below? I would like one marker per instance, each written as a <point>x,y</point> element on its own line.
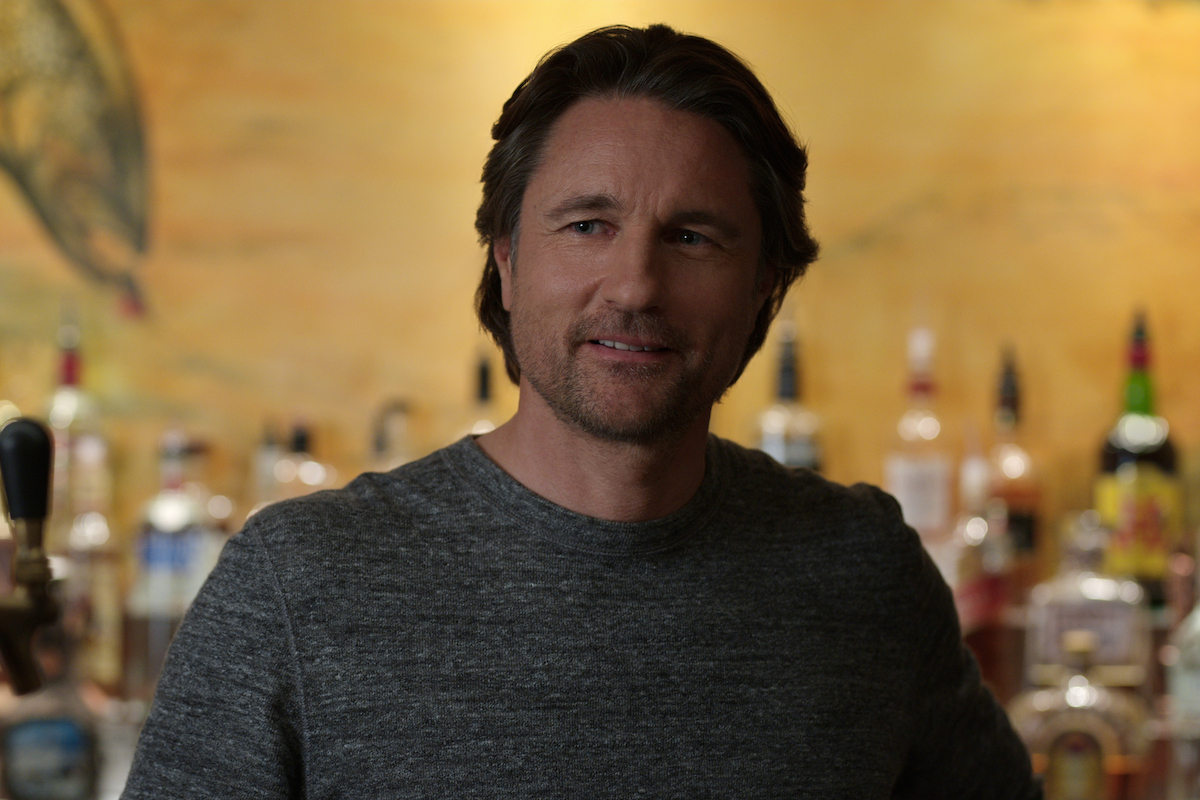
<point>633,284</point>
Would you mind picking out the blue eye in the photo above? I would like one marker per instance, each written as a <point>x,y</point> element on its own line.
<point>691,237</point>
<point>586,226</point>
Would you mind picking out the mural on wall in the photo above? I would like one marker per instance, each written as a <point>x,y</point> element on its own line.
<point>71,135</point>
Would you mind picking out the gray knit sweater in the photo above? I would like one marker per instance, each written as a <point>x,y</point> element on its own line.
<point>442,632</point>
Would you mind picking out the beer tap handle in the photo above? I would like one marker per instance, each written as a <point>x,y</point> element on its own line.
<point>26,458</point>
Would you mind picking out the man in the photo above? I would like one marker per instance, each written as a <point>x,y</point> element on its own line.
<point>598,599</point>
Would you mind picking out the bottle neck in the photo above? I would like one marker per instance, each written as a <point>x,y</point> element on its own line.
<point>1139,392</point>
<point>787,387</point>
<point>921,390</point>
<point>68,368</point>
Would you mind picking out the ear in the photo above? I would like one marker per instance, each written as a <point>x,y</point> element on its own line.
<point>502,251</point>
<point>766,282</point>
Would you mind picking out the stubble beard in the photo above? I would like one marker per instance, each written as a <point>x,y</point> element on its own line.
<point>656,408</point>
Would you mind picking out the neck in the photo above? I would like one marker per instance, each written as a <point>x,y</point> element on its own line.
<point>615,481</point>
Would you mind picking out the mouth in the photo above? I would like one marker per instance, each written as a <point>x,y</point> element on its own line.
<point>633,348</point>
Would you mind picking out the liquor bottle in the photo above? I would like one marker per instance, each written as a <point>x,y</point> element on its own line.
<point>176,549</point>
<point>1013,481</point>
<point>49,740</point>
<point>1137,491</point>
<point>390,442</point>
<point>71,415</point>
<point>483,414</point>
<point>983,576</point>
<point>92,587</point>
<point>263,485</point>
<point>1082,597</point>
<point>918,471</point>
<point>297,472</point>
<point>984,549</point>
<point>1182,662</point>
<point>1087,740</point>
<point>788,430</point>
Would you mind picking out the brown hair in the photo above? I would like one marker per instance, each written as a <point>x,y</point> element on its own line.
<point>685,73</point>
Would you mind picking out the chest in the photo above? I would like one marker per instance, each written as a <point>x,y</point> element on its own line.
<point>607,686</point>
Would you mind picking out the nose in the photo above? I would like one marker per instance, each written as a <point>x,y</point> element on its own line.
<point>633,273</point>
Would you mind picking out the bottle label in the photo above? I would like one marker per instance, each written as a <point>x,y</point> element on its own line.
<point>49,758</point>
<point>922,487</point>
<point>1183,684</point>
<point>1143,506</point>
<point>168,551</point>
<point>1118,628</point>
<point>1074,768</point>
<point>792,451</point>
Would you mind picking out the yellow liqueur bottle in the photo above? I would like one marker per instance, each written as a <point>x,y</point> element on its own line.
<point>1137,492</point>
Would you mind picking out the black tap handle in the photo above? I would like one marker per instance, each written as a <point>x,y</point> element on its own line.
<point>26,457</point>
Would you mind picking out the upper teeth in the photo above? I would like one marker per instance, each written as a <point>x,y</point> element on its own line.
<point>622,346</point>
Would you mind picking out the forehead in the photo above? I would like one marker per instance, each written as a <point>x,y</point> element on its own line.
<point>643,152</point>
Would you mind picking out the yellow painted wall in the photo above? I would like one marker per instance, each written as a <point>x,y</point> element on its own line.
<point>1003,170</point>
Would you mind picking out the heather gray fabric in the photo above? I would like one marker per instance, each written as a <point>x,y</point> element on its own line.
<point>442,632</point>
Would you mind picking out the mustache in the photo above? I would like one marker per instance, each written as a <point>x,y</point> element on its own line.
<point>645,327</point>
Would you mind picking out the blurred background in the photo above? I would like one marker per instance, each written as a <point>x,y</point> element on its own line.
<point>223,219</point>
<point>1002,171</point>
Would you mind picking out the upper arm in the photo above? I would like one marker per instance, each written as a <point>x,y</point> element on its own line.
<point>965,745</point>
<point>225,721</point>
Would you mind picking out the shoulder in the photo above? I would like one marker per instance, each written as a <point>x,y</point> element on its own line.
<point>775,492</point>
<point>854,532</point>
<point>374,510</point>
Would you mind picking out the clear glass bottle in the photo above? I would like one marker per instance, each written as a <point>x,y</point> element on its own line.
<point>177,548</point>
<point>1082,597</point>
<point>297,472</point>
<point>1138,491</point>
<point>49,743</point>
<point>1181,658</point>
<point>1087,740</point>
<point>789,430</point>
<point>264,486</point>
<point>92,606</point>
<point>917,472</point>
<point>72,416</point>
<point>391,444</point>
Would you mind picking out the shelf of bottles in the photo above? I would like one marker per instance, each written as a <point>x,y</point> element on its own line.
<point>1098,664</point>
<point>122,597</point>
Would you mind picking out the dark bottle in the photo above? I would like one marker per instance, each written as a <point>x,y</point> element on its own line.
<point>789,431</point>
<point>1013,479</point>
<point>1138,492</point>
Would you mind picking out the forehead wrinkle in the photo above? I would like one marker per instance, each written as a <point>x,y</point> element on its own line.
<point>584,203</point>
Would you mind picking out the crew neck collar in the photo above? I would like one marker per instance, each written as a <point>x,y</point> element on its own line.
<point>553,523</point>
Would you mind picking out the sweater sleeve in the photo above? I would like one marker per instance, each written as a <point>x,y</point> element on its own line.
<point>224,721</point>
<point>965,745</point>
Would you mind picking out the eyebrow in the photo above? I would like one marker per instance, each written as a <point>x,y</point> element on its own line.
<point>591,203</point>
<point>586,203</point>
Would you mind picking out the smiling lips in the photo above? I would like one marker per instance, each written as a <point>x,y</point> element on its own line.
<point>633,348</point>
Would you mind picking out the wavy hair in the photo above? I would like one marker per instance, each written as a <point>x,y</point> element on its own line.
<point>682,72</point>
